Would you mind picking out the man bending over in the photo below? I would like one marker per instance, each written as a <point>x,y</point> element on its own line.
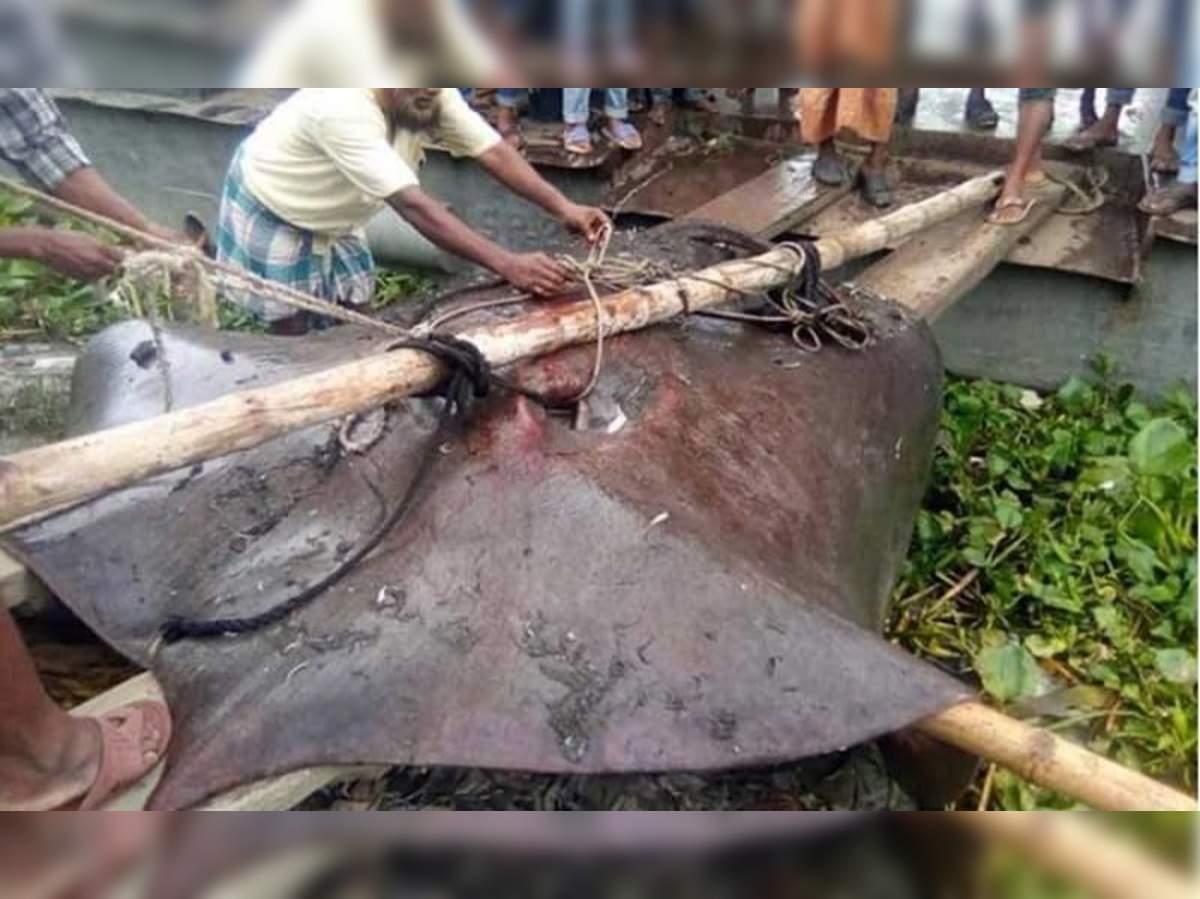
<point>303,187</point>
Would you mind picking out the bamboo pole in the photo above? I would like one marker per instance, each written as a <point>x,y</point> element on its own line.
<point>47,479</point>
<point>1048,760</point>
<point>1077,848</point>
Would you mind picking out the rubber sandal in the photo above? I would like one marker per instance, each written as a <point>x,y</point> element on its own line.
<point>577,140</point>
<point>1026,207</point>
<point>123,762</point>
<point>982,116</point>
<point>831,171</point>
<point>623,135</point>
<point>876,190</point>
<point>1168,200</point>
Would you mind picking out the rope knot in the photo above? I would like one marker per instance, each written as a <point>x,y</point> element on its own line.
<point>470,373</point>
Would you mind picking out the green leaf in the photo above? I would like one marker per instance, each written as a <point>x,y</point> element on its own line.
<point>1162,448</point>
<point>1075,394</point>
<point>1140,559</point>
<point>1176,665</point>
<point>1045,647</point>
<point>1008,672</point>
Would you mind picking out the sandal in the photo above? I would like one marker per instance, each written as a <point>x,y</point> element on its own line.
<point>876,190</point>
<point>831,171</point>
<point>623,134</point>
<point>126,756</point>
<point>997,214</point>
<point>577,140</point>
<point>982,115</point>
<point>1169,200</point>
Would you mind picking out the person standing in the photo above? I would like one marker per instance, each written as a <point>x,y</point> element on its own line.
<point>577,112</point>
<point>867,112</point>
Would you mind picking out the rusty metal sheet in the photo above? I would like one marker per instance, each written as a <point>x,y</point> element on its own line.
<point>778,200</point>
<point>683,174</point>
<point>697,581</point>
<point>1105,244</point>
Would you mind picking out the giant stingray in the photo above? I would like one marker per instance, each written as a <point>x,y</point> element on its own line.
<point>695,581</point>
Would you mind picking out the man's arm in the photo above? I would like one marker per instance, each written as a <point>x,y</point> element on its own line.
<point>533,272</point>
<point>504,163</point>
<point>34,139</point>
<point>75,255</point>
<point>86,188</point>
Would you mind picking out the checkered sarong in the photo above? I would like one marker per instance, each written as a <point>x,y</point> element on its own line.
<point>338,269</point>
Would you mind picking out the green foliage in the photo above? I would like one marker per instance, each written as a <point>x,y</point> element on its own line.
<point>393,284</point>
<point>35,302</point>
<point>1072,521</point>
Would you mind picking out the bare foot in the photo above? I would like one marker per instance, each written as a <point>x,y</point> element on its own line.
<point>1165,158</point>
<point>58,765</point>
<point>659,114</point>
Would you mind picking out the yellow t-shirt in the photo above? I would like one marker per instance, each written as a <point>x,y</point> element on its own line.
<point>322,160</point>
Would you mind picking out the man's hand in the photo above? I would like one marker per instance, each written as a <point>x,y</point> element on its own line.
<point>535,273</point>
<point>587,221</point>
<point>77,256</point>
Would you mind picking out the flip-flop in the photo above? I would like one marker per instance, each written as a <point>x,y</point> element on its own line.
<point>577,140</point>
<point>1026,207</point>
<point>123,759</point>
<point>831,171</point>
<point>1168,200</point>
<point>623,135</point>
<point>982,116</point>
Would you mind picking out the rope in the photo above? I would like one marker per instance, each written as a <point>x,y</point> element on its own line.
<point>470,380</point>
<point>169,257</point>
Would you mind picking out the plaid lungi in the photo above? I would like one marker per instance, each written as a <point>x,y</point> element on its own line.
<point>338,269</point>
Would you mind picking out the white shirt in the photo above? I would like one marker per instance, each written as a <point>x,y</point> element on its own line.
<point>322,160</point>
<point>340,43</point>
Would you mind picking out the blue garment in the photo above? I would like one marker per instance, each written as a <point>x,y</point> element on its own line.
<point>1177,109</point>
<point>1188,152</point>
<point>577,104</point>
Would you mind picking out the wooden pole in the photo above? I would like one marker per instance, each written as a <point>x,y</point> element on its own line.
<point>47,479</point>
<point>1050,761</point>
<point>1083,852</point>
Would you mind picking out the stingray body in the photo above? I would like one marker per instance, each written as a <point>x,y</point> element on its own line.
<point>689,574</point>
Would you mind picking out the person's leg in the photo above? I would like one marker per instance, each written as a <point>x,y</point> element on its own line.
<point>1033,123</point>
<point>47,757</point>
<point>1182,193</point>
<point>1188,152</point>
<point>576,112</point>
<point>1164,159</point>
<point>576,105</point>
<point>979,111</point>
<point>508,114</point>
<point>660,104</point>
<point>619,129</point>
<point>1105,131</point>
